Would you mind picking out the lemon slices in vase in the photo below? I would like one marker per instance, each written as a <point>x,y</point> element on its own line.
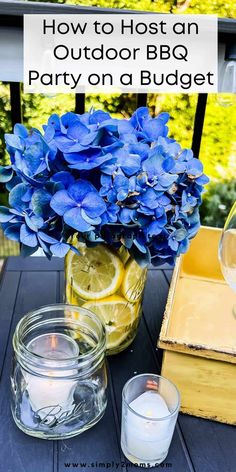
<point>109,283</point>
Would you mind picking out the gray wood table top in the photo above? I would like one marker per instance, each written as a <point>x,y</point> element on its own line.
<point>198,445</point>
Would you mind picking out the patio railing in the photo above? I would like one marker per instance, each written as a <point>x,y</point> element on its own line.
<point>11,19</point>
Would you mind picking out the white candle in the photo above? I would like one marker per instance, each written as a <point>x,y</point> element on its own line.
<point>48,391</point>
<point>148,441</point>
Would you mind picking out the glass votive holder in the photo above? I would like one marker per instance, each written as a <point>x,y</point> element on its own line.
<point>59,379</point>
<point>150,406</point>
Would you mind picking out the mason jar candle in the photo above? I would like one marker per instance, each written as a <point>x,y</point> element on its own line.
<point>150,405</point>
<point>59,376</point>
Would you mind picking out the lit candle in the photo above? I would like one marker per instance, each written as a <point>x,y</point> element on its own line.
<point>147,441</point>
<point>48,391</point>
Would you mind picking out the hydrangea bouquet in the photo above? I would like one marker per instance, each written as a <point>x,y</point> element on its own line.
<point>112,195</point>
<point>123,182</point>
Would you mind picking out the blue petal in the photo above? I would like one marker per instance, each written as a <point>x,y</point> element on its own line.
<point>154,229</point>
<point>41,202</point>
<point>98,117</point>
<point>125,126</point>
<point>74,219</point>
<point>68,119</point>
<point>180,234</point>
<point>194,167</point>
<point>154,128</point>
<point>90,138</point>
<point>202,180</point>
<point>45,237</point>
<point>173,244</point>
<point>79,190</point>
<point>139,116</point>
<point>93,205</point>
<point>5,215</point>
<point>91,221</point>
<point>13,182</point>
<point>59,249</point>
<point>65,144</point>
<point>49,133</point>
<point>164,117</point>
<point>6,174</point>
<point>122,194</point>
<point>28,237</point>
<point>125,215</point>
<point>165,181</point>
<point>77,131</point>
<point>27,251</point>
<point>54,121</point>
<point>168,164</point>
<point>16,195</point>
<point>13,232</point>
<point>61,202</point>
<point>87,154</point>
<point>34,222</point>
<point>14,141</point>
<point>85,164</point>
<point>141,247</point>
<point>20,130</point>
<point>130,163</point>
<point>63,177</point>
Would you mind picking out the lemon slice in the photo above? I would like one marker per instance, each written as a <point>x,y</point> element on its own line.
<point>95,274</point>
<point>117,315</point>
<point>133,281</point>
<point>123,254</point>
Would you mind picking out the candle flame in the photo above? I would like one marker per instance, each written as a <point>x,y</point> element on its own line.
<point>54,341</point>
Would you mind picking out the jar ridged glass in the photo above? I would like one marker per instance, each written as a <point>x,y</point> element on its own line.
<point>59,375</point>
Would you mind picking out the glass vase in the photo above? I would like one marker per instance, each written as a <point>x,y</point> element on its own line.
<point>110,283</point>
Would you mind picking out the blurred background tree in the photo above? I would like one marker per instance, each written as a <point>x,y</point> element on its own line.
<point>218,149</point>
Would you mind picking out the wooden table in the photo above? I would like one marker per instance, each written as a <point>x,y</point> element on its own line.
<point>198,445</point>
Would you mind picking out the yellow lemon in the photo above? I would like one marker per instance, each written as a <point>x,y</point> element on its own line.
<point>118,316</point>
<point>95,274</point>
<point>133,281</point>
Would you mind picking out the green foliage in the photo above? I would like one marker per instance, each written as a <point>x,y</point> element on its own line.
<point>217,202</point>
<point>218,149</point>
<point>5,123</point>
<point>218,7</point>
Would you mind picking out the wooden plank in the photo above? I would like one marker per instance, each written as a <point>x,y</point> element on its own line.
<point>168,274</point>
<point>154,302</point>
<point>137,359</point>
<point>62,287</point>
<point>211,457</point>
<point>8,290</point>
<point>34,264</point>
<point>98,445</point>
<point>19,452</point>
<point>211,445</point>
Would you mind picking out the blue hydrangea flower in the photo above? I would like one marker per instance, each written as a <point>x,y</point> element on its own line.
<point>111,180</point>
<point>80,205</point>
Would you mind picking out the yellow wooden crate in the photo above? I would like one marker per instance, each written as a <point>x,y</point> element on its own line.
<point>198,332</point>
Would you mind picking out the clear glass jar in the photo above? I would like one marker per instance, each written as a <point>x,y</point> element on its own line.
<point>110,283</point>
<point>59,376</point>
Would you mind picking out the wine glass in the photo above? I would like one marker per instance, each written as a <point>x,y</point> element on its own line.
<point>227,251</point>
